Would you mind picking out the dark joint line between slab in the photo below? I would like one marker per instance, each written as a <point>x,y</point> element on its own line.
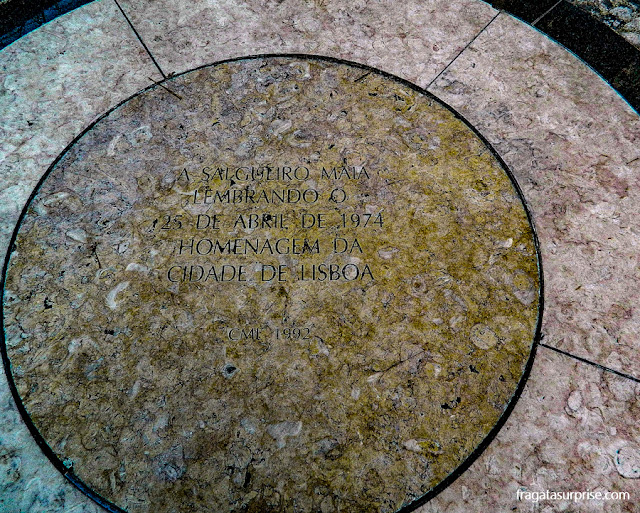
<point>461,51</point>
<point>589,362</point>
<point>140,39</point>
<point>160,84</point>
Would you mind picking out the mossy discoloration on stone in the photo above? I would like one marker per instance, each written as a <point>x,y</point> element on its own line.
<point>302,394</point>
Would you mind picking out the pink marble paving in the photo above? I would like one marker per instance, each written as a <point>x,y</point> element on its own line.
<point>574,429</point>
<point>413,39</point>
<point>53,83</point>
<point>572,142</point>
<point>574,146</point>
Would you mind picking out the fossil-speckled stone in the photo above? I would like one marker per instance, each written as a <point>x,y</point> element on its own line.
<point>574,146</point>
<point>575,428</point>
<point>156,352</point>
<point>413,39</point>
<point>23,489</point>
<point>53,83</point>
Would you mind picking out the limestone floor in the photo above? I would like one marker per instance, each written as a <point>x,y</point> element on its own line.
<point>572,142</point>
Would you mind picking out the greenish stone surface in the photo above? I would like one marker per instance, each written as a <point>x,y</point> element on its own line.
<point>276,284</point>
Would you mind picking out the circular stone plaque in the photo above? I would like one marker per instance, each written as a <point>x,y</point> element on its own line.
<point>271,284</point>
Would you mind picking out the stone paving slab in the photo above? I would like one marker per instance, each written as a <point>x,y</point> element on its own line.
<point>53,83</point>
<point>550,118</point>
<point>420,279</point>
<point>573,145</point>
<point>414,40</point>
<point>574,429</point>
